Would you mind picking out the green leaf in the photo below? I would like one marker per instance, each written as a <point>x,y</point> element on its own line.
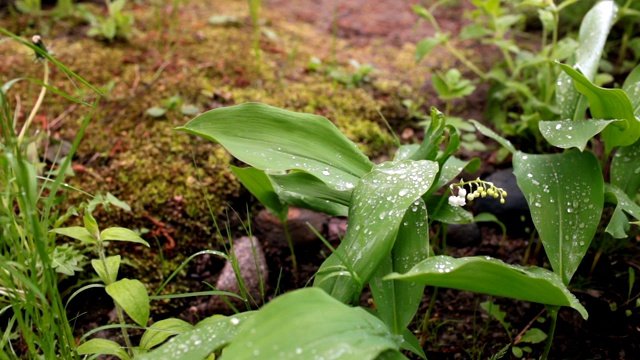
<point>565,193</point>
<point>495,311</point>
<point>156,111</point>
<point>189,110</point>
<point>273,139</point>
<point>132,296</point>
<point>424,46</point>
<point>571,133</point>
<point>398,301</point>
<point>91,225</point>
<point>594,31</point>
<point>310,324</point>
<point>121,234</point>
<point>76,232</point>
<point>160,331</point>
<point>619,223</point>
<point>259,184</point>
<point>304,190</point>
<point>117,202</point>
<point>378,205</point>
<point>632,87</point>
<point>491,134</point>
<point>486,275</point>
<point>103,347</point>
<point>110,274</point>
<point>453,167</point>
<point>440,210</point>
<point>533,336</point>
<point>609,104</point>
<point>209,335</point>
<point>625,169</point>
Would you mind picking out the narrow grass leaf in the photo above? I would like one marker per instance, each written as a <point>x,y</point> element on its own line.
<point>310,324</point>
<point>273,139</point>
<point>491,276</point>
<point>565,193</point>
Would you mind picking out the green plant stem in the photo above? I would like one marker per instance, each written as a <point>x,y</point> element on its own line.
<point>119,311</point>
<point>294,262</point>
<point>427,315</point>
<point>38,103</point>
<point>463,59</point>
<point>553,317</point>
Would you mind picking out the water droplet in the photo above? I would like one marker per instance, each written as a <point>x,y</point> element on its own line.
<point>326,172</point>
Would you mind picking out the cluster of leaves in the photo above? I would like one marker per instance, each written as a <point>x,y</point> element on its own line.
<point>116,25</point>
<point>524,83</point>
<point>358,76</point>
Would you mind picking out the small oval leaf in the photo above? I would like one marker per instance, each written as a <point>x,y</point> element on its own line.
<point>132,296</point>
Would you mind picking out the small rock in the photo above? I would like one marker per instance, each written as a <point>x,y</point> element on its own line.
<point>514,213</point>
<point>299,222</point>
<point>463,235</point>
<point>253,270</point>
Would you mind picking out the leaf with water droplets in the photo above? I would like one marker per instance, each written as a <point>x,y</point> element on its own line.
<point>625,168</point>
<point>259,184</point>
<point>619,223</point>
<point>398,301</point>
<point>375,214</point>
<point>162,330</point>
<point>208,336</point>
<point>309,324</point>
<point>269,138</point>
<point>307,191</point>
<point>103,347</point>
<point>608,104</point>
<point>594,31</point>
<point>571,133</point>
<point>565,193</point>
<point>491,276</point>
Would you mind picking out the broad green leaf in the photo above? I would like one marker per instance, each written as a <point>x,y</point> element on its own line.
<point>76,232</point>
<point>594,31</point>
<point>491,276</point>
<point>209,335</point>
<point>132,296</point>
<point>378,205</point>
<point>565,193</point>
<point>307,324</point>
<point>433,136</point>
<point>632,87</point>
<point>259,184</point>
<point>304,190</point>
<point>398,301</point>
<point>440,210</point>
<point>110,274</point>
<point>571,133</point>
<point>608,104</point>
<point>121,234</point>
<point>103,347</point>
<point>160,331</point>
<point>625,169</point>
<point>273,139</point>
<point>619,223</point>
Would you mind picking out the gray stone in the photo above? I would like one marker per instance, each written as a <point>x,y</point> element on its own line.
<point>463,235</point>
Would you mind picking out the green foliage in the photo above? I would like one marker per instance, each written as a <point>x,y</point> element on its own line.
<point>116,25</point>
<point>387,208</point>
<point>171,104</point>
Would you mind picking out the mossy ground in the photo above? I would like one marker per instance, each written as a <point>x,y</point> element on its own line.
<point>168,176</point>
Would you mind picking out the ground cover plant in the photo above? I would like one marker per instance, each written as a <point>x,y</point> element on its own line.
<point>380,289</point>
